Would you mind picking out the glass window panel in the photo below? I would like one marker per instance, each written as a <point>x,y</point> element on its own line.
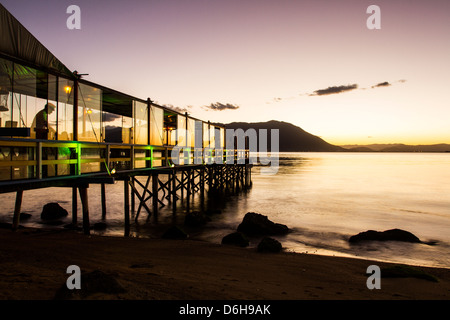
<point>222,138</point>
<point>19,111</point>
<point>112,127</point>
<point>24,80</point>
<point>156,126</point>
<point>127,130</point>
<point>191,133</point>
<point>6,69</point>
<point>169,128</point>
<point>181,131</point>
<point>141,123</point>
<point>52,89</point>
<point>89,113</point>
<point>205,135</point>
<point>212,143</point>
<point>26,105</point>
<point>198,134</point>
<point>65,109</point>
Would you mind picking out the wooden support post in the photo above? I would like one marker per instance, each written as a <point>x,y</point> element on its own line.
<point>16,218</point>
<point>246,177</point>
<point>142,200</point>
<point>126,194</point>
<point>174,190</point>
<point>169,188</point>
<point>210,177</point>
<point>189,191</point>
<point>103,198</point>
<point>142,197</point>
<point>155,179</point>
<point>238,170</point>
<point>233,178</point>
<point>182,183</point>
<point>39,160</point>
<point>202,182</point>
<point>133,198</point>
<point>84,202</point>
<point>74,206</point>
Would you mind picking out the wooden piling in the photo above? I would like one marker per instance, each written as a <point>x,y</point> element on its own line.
<point>155,179</point>
<point>174,190</point>
<point>126,193</point>
<point>103,198</point>
<point>133,199</point>
<point>84,202</point>
<point>189,190</point>
<point>18,205</point>
<point>74,206</point>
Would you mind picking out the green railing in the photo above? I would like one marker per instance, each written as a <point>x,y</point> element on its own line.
<point>40,159</point>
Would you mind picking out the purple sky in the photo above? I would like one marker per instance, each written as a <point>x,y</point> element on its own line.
<point>269,58</point>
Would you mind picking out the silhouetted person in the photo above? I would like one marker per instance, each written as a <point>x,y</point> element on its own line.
<point>40,122</point>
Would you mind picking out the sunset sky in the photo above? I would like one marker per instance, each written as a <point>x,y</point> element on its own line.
<point>311,63</point>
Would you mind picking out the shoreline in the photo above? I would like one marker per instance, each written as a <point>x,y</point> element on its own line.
<point>34,263</point>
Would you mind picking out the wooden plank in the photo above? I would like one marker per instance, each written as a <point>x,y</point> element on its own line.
<point>96,180</point>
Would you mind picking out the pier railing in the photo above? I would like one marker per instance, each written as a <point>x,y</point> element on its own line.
<point>39,159</point>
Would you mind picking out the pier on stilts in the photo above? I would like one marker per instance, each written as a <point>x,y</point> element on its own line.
<point>145,190</point>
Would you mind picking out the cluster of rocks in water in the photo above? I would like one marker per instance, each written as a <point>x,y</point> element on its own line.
<point>257,225</point>
<point>53,214</point>
<point>252,225</point>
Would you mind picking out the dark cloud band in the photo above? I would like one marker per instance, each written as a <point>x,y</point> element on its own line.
<point>221,106</point>
<point>334,90</point>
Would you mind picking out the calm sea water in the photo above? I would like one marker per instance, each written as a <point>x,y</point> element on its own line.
<point>323,197</point>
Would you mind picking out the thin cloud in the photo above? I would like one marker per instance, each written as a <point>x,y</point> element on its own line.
<point>334,90</point>
<point>178,109</point>
<point>221,106</point>
<point>382,84</point>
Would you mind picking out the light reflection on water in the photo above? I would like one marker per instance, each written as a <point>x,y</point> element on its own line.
<point>323,197</point>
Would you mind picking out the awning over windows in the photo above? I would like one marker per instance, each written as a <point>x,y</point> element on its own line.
<point>18,43</point>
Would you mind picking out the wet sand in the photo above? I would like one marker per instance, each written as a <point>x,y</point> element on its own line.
<point>33,266</point>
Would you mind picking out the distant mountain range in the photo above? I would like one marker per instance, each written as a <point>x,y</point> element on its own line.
<point>295,139</point>
<point>292,138</point>
<point>398,147</point>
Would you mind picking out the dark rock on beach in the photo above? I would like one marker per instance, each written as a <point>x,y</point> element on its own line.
<point>174,232</point>
<point>196,219</point>
<point>258,224</point>
<point>91,283</point>
<point>236,239</point>
<point>52,211</point>
<point>388,235</point>
<point>269,245</point>
<point>72,226</point>
<point>25,216</point>
<point>99,226</point>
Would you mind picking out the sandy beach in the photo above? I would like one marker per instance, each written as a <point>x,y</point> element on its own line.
<point>33,266</point>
